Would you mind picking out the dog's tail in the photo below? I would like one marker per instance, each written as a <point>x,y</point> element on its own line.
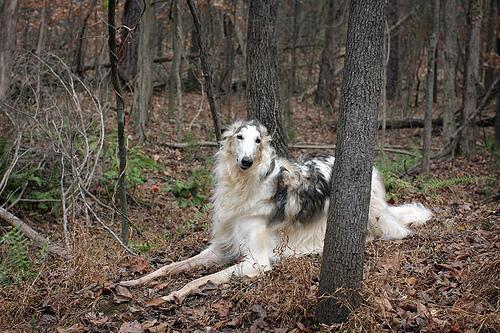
<point>394,221</point>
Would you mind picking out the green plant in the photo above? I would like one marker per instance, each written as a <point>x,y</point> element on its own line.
<point>189,226</point>
<point>193,191</point>
<point>16,264</point>
<point>390,169</point>
<point>137,163</point>
<point>433,184</point>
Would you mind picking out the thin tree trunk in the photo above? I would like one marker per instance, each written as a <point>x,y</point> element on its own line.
<point>468,138</point>
<point>142,95</point>
<point>431,56</point>
<point>450,63</point>
<point>263,83</point>
<point>192,81</point>
<point>8,19</point>
<point>497,124</point>
<point>325,93</point>
<point>175,89</point>
<point>40,44</point>
<point>343,253</point>
<point>120,119</point>
<point>212,93</point>
<point>393,65</point>
<point>292,74</point>
<point>229,57</point>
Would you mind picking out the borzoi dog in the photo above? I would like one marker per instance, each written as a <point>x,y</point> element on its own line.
<point>267,207</point>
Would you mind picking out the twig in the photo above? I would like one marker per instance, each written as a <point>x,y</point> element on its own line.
<point>29,232</point>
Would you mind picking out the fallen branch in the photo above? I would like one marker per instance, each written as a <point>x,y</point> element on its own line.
<point>419,123</point>
<point>390,149</point>
<point>29,232</point>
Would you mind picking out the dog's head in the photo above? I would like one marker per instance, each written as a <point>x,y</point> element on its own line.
<point>245,140</point>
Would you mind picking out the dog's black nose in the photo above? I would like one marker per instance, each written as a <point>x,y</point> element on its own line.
<point>246,162</point>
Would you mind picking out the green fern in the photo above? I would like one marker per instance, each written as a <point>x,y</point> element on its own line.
<point>438,184</point>
<point>15,260</point>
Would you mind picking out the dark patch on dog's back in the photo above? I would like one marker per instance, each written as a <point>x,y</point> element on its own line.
<point>279,198</point>
<point>312,194</point>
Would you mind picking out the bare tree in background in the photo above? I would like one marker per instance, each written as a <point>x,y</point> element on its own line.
<point>175,75</point>
<point>393,46</point>
<point>263,83</point>
<point>130,40</point>
<point>343,252</point>
<point>468,136</point>
<point>429,93</point>
<point>491,41</point>
<point>8,42</point>
<point>120,119</point>
<point>144,91</point>
<point>325,93</point>
<point>450,63</point>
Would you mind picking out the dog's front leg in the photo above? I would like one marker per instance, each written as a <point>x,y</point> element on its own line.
<point>249,267</point>
<point>208,257</point>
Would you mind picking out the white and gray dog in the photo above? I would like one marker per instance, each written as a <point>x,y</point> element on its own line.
<point>266,207</point>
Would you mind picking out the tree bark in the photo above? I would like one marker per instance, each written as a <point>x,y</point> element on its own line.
<point>263,84</point>
<point>8,20</point>
<point>450,62</point>
<point>468,138</point>
<point>326,91</point>
<point>429,93</point>
<point>130,39</point>
<point>120,119</point>
<point>393,64</point>
<point>142,95</point>
<point>343,253</point>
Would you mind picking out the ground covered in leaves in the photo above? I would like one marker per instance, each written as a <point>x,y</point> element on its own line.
<point>444,278</point>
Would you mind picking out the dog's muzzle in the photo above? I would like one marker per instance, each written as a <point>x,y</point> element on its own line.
<point>246,163</point>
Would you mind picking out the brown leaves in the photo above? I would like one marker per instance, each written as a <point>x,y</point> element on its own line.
<point>131,327</point>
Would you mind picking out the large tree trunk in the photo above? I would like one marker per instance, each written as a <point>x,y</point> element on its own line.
<point>393,64</point>
<point>8,19</point>
<point>429,93</point>
<point>468,136</point>
<point>450,62</point>
<point>263,85</point>
<point>142,95</point>
<point>343,253</point>
<point>130,39</point>
<point>325,93</point>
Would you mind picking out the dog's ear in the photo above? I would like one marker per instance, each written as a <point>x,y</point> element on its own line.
<point>222,131</point>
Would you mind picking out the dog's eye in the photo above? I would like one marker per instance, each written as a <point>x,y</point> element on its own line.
<point>239,137</point>
<point>257,140</point>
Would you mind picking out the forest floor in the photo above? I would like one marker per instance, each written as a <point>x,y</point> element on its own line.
<point>443,278</point>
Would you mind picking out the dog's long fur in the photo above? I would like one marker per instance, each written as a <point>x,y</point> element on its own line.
<point>266,207</point>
